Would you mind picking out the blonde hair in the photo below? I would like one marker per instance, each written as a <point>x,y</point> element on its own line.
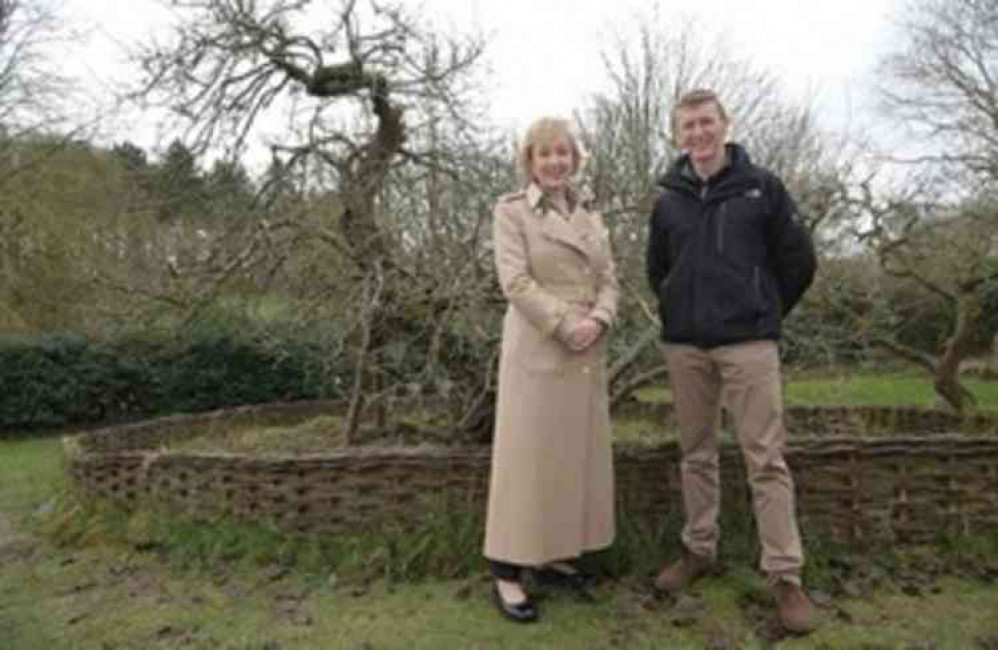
<point>692,99</point>
<point>543,130</point>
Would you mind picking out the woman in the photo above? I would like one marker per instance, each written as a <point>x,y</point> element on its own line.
<point>551,488</point>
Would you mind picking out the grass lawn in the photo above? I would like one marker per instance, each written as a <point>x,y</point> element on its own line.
<point>889,389</point>
<point>30,472</point>
<point>111,593</point>
<point>896,389</point>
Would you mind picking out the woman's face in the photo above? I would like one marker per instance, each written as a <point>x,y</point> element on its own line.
<point>552,163</point>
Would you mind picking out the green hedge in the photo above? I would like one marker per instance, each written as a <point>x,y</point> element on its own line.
<point>66,379</point>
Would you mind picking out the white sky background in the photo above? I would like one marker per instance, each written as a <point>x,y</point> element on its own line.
<point>545,54</point>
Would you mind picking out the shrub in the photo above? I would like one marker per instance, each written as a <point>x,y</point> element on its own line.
<point>69,380</point>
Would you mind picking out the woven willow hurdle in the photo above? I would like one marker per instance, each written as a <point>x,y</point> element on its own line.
<point>910,487</point>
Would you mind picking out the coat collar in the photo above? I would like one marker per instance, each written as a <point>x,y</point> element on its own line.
<point>557,228</point>
<point>576,197</point>
<point>535,195</point>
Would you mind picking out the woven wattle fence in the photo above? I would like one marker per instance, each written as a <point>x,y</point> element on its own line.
<point>936,474</point>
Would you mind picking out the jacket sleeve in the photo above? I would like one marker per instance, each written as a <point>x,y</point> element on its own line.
<point>657,262</point>
<point>608,290</point>
<point>791,248</point>
<point>543,310</point>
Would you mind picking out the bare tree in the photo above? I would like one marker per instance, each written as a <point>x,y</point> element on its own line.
<point>937,232</point>
<point>357,98</point>
<point>32,90</point>
<point>944,252</point>
<point>942,82</point>
<point>35,125</point>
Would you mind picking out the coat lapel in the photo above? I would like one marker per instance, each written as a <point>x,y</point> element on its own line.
<point>553,225</point>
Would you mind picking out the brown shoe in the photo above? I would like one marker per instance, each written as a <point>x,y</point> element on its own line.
<point>683,572</point>
<point>794,607</point>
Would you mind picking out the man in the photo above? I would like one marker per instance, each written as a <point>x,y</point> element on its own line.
<point>728,259</point>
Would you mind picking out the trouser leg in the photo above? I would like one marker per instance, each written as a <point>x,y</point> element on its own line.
<point>751,375</point>
<point>696,391</point>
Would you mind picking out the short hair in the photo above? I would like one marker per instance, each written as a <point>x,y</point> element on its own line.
<point>546,129</point>
<point>692,99</point>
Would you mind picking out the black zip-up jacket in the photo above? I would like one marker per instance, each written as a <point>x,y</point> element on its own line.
<point>728,258</point>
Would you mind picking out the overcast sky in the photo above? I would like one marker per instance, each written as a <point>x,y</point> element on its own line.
<point>545,54</point>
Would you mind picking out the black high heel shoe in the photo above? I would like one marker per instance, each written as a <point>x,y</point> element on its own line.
<point>573,579</point>
<point>570,576</point>
<point>524,612</point>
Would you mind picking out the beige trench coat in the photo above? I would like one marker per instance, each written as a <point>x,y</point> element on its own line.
<point>551,493</point>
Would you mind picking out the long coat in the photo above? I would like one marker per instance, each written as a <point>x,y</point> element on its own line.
<point>551,490</point>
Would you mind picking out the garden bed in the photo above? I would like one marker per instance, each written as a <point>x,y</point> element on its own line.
<point>934,475</point>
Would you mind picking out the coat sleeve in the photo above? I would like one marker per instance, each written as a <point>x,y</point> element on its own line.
<point>791,248</point>
<point>543,310</point>
<point>657,262</point>
<point>607,290</point>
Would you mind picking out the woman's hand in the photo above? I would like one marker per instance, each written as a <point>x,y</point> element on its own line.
<point>583,334</point>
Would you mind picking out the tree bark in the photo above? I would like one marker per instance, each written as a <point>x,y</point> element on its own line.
<point>953,351</point>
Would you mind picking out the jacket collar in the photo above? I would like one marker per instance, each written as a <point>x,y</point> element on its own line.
<point>682,170</point>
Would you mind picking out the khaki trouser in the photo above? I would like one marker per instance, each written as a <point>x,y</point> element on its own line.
<point>748,375</point>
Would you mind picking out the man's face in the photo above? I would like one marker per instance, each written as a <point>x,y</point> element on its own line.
<point>701,131</point>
